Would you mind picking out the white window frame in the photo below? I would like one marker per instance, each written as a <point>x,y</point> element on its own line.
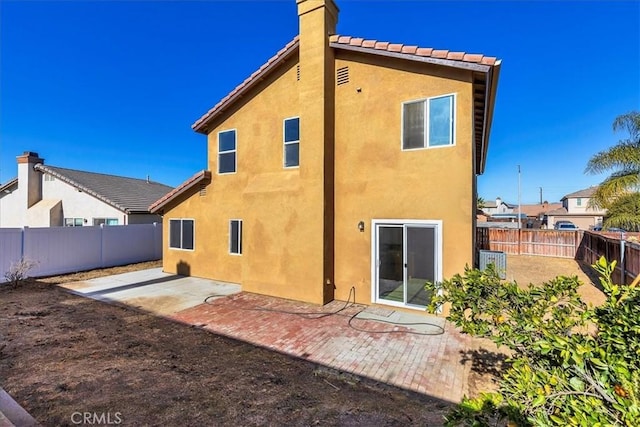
<point>426,101</point>
<point>285,143</point>
<point>105,221</point>
<point>436,224</point>
<point>239,236</point>
<point>235,151</point>
<point>75,222</point>
<point>181,233</point>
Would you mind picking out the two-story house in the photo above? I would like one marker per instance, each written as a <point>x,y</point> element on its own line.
<point>576,208</point>
<point>50,196</point>
<point>342,167</point>
<point>498,207</point>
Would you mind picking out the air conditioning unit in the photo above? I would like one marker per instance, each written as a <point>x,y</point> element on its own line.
<point>497,258</point>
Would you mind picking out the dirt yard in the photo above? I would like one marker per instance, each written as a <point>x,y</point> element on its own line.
<point>67,356</point>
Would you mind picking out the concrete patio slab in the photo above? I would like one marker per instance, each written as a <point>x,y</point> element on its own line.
<point>153,290</point>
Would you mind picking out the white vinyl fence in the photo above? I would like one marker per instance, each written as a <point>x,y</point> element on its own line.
<point>59,250</point>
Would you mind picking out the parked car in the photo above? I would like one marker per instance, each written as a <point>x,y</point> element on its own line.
<point>613,229</point>
<point>565,225</point>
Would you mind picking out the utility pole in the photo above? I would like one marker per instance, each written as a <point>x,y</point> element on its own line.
<point>540,195</point>
<point>519,203</point>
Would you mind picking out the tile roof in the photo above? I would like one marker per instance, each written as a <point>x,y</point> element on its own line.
<point>587,192</point>
<point>201,176</point>
<point>282,55</point>
<point>486,72</point>
<point>9,184</point>
<point>537,209</point>
<point>130,195</point>
<point>403,50</point>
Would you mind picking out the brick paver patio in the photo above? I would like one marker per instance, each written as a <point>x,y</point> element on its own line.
<point>399,355</point>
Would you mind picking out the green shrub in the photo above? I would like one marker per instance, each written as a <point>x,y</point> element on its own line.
<point>571,364</point>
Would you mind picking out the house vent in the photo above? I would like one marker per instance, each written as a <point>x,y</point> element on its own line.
<point>298,72</point>
<point>342,76</point>
<point>203,190</point>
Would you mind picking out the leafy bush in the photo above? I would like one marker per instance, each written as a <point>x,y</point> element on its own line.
<point>571,364</point>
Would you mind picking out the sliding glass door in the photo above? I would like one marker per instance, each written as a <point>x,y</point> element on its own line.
<point>406,256</point>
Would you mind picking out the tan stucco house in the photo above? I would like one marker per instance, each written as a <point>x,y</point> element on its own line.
<point>576,207</point>
<point>341,166</point>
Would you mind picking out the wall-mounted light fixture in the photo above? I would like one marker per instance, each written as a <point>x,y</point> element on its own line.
<point>361,226</point>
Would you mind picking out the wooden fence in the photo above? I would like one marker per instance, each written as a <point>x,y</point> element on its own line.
<point>627,254</point>
<point>559,244</point>
<point>584,246</point>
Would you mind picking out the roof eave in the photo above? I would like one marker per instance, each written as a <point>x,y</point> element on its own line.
<point>9,184</point>
<point>472,66</point>
<point>43,168</point>
<point>492,89</point>
<point>199,177</point>
<point>201,125</point>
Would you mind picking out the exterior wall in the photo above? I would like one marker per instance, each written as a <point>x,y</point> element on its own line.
<point>375,179</point>
<point>573,207</point>
<point>143,219</point>
<point>584,222</point>
<point>11,214</point>
<point>280,208</point>
<point>76,204</point>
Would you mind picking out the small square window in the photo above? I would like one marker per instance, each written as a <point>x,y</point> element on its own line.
<point>181,234</point>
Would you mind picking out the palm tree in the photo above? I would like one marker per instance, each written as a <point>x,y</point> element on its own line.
<point>624,213</point>
<point>480,202</point>
<point>623,159</point>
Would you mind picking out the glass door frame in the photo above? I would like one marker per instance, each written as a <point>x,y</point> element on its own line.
<point>375,255</point>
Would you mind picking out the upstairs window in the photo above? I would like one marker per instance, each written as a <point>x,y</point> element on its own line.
<point>292,142</point>
<point>428,123</point>
<point>227,151</point>
<point>181,233</point>
<point>235,236</point>
<point>579,201</point>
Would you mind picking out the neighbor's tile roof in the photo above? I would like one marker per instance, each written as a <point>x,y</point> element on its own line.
<point>130,195</point>
<point>587,192</point>
<point>204,175</point>
<point>9,184</point>
<point>411,50</point>
<point>537,209</point>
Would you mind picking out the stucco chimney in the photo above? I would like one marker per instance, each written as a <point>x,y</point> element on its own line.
<point>29,181</point>
<point>316,92</point>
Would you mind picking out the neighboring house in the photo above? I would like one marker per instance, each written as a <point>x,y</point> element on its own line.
<point>342,168</point>
<point>499,207</point>
<point>575,208</point>
<point>536,214</point>
<point>48,196</point>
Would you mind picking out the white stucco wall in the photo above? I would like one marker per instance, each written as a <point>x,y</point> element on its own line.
<point>11,213</point>
<point>77,204</point>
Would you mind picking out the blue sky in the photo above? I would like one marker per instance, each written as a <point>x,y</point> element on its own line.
<point>114,86</point>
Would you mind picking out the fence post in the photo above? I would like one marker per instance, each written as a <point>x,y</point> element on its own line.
<point>623,269</point>
<point>519,241</point>
<point>102,245</point>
